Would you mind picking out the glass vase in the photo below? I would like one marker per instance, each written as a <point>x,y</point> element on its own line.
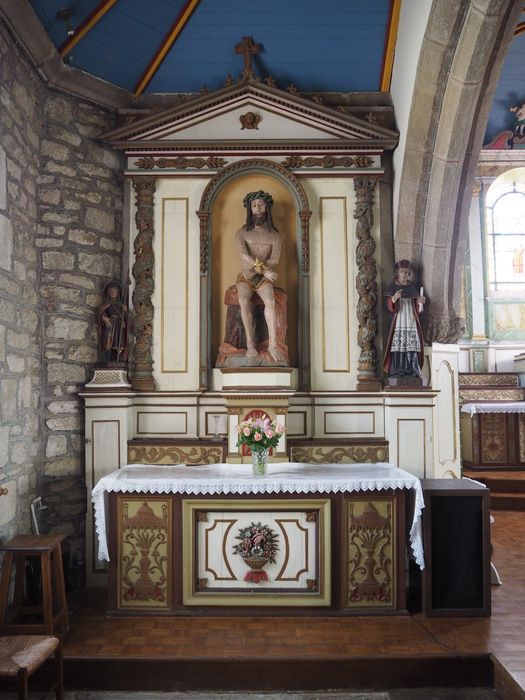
<point>259,462</point>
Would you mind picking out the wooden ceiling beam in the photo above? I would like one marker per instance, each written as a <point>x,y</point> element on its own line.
<point>390,45</point>
<point>86,25</point>
<point>165,46</point>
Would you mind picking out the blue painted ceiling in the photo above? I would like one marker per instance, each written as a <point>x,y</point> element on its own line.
<point>318,46</point>
<point>333,45</point>
<point>510,91</point>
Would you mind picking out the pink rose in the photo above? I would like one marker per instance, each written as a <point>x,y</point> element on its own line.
<point>238,429</point>
<point>257,437</point>
<point>246,431</point>
<point>268,433</point>
<point>281,428</point>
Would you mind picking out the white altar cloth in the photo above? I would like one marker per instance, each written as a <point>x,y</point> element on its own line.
<point>494,407</point>
<point>282,477</point>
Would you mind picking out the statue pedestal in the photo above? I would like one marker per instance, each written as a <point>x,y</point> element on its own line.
<point>258,379</point>
<point>404,382</point>
<point>109,379</point>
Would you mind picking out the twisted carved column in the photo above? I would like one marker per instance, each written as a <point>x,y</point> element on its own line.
<point>366,285</point>
<point>142,368</point>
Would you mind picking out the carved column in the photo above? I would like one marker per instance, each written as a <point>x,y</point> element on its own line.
<point>366,285</point>
<point>142,366</point>
<point>205,361</point>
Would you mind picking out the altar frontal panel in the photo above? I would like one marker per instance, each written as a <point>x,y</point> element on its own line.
<point>266,553</point>
<point>145,567</point>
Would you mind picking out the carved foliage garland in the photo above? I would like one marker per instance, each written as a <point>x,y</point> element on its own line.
<point>366,282</point>
<point>143,274</point>
<point>180,163</point>
<point>327,162</point>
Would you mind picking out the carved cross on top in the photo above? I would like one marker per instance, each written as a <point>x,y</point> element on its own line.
<point>248,49</point>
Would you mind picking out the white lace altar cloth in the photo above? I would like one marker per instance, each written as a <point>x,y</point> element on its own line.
<point>282,477</point>
<point>493,407</point>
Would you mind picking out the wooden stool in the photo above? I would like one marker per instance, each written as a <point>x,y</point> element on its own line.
<point>47,548</point>
<point>21,656</point>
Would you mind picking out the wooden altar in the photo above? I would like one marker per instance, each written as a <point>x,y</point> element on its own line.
<point>493,435</point>
<point>339,547</point>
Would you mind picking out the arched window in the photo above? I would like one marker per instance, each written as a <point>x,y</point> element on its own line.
<point>505,236</point>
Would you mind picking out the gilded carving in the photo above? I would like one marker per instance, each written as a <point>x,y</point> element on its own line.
<point>371,535</point>
<point>366,281</point>
<point>250,120</point>
<point>488,395</point>
<point>339,454</point>
<point>296,162</point>
<point>486,380</point>
<point>144,554</point>
<point>181,163</point>
<point>142,377</point>
<point>521,437</point>
<point>493,438</point>
<point>203,219</point>
<point>160,454</point>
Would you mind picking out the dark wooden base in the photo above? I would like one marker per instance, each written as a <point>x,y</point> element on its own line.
<point>373,673</point>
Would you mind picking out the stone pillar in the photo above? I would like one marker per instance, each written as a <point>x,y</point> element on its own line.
<point>143,267</point>
<point>366,285</point>
<point>477,275</point>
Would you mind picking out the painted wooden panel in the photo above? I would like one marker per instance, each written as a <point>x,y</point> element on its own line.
<point>371,556</point>
<point>174,284</point>
<point>144,552</point>
<point>162,423</point>
<point>256,551</point>
<point>334,275</point>
<point>411,445</point>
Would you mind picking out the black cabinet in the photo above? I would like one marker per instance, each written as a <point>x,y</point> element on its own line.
<point>456,537</point>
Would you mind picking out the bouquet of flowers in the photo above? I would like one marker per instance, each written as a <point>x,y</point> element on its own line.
<point>259,433</point>
<point>257,541</point>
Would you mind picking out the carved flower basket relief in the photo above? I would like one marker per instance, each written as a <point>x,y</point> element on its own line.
<point>257,547</point>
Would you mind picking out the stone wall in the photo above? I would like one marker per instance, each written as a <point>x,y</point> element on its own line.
<point>20,351</point>
<point>62,220</point>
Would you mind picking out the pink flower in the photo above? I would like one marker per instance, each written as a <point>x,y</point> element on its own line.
<point>257,437</point>
<point>246,431</point>
<point>281,428</point>
<point>238,429</point>
<point>268,433</point>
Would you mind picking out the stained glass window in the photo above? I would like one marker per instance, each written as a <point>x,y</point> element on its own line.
<point>505,231</point>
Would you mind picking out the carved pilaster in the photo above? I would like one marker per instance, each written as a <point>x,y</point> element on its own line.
<point>203,218</point>
<point>366,285</point>
<point>305,238</point>
<point>142,368</point>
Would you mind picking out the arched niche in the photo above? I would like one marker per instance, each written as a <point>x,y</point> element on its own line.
<point>221,214</point>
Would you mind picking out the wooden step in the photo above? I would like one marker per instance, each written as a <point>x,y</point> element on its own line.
<point>491,394</point>
<point>499,481</point>
<point>489,379</point>
<point>507,501</point>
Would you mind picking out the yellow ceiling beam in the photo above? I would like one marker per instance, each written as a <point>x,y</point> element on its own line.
<point>165,46</point>
<point>86,25</point>
<point>390,45</point>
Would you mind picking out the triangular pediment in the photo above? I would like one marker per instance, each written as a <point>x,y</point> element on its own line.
<point>247,113</point>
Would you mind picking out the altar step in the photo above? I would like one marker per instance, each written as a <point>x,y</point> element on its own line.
<point>490,386</point>
<point>507,488</point>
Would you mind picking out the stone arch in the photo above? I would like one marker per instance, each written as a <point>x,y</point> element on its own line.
<point>292,184</point>
<point>460,61</point>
